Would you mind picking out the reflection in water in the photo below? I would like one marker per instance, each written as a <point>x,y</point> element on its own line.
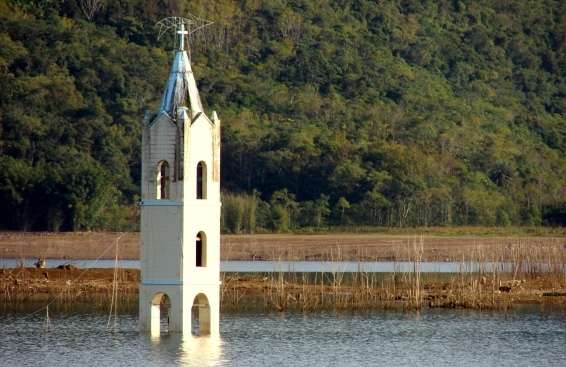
<point>206,350</point>
<point>188,349</point>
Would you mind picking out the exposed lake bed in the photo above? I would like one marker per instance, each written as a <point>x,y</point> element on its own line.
<point>299,291</point>
<point>277,247</point>
<point>303,272</point>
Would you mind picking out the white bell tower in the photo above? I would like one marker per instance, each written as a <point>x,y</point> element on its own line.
<point>180,207</point>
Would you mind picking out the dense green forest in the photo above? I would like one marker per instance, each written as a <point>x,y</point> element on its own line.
<point>335,112</point>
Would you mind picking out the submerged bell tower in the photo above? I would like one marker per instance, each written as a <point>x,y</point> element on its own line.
<point>180,206</point>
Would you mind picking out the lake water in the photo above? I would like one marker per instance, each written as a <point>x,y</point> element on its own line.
<point>431,338</point>
<point>289,266</point>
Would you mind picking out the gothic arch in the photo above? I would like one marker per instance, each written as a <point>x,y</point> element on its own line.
<point>159,313</point>
<point>201,180</point>
<point>163,181</point>
<point>200,314</point>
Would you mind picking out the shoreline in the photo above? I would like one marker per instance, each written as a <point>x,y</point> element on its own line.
<point>281,292</point>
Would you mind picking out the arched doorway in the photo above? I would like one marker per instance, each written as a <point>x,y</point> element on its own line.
<point>160,306</point>
<point>200,315</point>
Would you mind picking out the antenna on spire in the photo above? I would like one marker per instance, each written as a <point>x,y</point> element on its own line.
<point>183,27</point>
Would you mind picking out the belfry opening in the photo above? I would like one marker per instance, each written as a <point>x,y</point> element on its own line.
<point>201,180</point>
<point>163,180</point>
<point>200,250</point>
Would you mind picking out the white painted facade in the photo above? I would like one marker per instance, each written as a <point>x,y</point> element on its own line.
<point>180,208</point>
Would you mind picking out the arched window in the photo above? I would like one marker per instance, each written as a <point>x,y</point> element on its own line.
<point>163,180</point>
<point>201,249</point>
<point>201,180</point>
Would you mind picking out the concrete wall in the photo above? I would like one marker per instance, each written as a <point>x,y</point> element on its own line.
<point>161,247</point>
<point>201,214</point>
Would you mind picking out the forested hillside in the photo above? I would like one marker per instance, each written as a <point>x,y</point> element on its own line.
<point>335,112</point>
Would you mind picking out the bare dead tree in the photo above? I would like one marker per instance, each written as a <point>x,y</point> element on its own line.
<point>90,7</point>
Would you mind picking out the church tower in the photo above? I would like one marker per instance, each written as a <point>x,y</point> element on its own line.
<point>180,208</point>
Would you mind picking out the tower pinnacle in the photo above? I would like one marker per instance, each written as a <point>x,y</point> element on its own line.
<point>181,88</point>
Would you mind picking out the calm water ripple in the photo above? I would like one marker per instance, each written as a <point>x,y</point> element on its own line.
<point>431,338</point>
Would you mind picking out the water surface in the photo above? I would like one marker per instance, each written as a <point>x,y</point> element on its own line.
<point>431,338</point>
<point>295,266</point>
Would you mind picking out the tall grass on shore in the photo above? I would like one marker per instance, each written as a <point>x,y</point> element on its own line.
<point>485,280</point>
<point>494,277</point>
<point>24,287</point>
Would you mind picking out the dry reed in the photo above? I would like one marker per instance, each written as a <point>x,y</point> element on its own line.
<point>488,278</point>
<point>494,277</point>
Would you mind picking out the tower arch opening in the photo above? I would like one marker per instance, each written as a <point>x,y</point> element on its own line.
<point>201,180</point>
<point>160,306</point>
<point>163,180</point>
<point>200,315</point>
<point>200,250</point>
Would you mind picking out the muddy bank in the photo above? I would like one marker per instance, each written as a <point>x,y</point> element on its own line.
<point>292,291</point>
<point>356,247</point>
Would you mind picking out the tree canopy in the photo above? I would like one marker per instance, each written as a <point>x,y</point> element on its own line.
<point>335,112</point>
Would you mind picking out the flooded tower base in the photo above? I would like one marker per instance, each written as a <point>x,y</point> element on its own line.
<point>180,207</point>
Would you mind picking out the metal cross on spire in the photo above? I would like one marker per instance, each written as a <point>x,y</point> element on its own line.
<point>182,33</point>
<point>183,26</point>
